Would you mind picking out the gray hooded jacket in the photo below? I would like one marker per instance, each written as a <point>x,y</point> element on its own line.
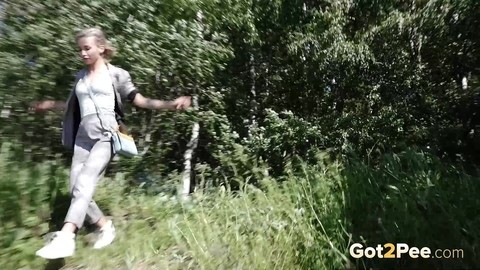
<point>124,90</point>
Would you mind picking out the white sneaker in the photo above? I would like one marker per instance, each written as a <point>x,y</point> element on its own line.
<point>59,245</point>
<point>105,236</point>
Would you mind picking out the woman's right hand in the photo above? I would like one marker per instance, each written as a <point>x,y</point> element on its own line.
<point>40,106</point>
<point>46,105</point>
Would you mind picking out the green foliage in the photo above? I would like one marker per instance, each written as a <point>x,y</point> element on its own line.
<point>28,192</point>
<point>364,73</point>
<point>255,228</point>
<point>276,80</point>
<point>306,219</point>
<point>282,137</point>
<point>412,197</point>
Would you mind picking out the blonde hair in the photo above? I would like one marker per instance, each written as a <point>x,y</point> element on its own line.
<point>100,39</point>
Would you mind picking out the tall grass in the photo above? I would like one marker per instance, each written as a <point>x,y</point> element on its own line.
<point>305,220</point>
<point>414,198</point>
<point>27,195</point>
<point>275,225</point>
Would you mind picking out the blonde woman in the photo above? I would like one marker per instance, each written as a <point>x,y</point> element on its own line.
<point>84,132</point>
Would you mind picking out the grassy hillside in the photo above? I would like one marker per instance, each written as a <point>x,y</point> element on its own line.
<point>305,220</point>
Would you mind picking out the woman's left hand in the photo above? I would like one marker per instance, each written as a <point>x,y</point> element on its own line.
<point>182,102</point>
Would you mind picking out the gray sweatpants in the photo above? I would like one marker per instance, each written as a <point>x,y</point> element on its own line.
<point>92,153</point>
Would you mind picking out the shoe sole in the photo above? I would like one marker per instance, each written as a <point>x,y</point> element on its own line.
<point>53,257</point>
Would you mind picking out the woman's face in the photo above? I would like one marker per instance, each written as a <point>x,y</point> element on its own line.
<point>89,51</point>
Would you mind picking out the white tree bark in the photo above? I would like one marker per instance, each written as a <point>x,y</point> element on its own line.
<point>253,94</point>
<point>464,83</point>
<point>191,146</point>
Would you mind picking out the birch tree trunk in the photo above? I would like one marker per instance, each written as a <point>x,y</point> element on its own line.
<point>253,81</point>
<point>253,94</point>
<point>191,146</point>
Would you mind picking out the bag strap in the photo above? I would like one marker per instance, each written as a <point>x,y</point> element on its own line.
<point>118,116</point>
<point>97,108</point>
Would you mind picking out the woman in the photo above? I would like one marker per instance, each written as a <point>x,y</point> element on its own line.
<point>84,132</point>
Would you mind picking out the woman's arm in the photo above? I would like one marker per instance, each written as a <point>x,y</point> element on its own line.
<point>47,105</point>
<point>128,91</point>
<point>156,104</point>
